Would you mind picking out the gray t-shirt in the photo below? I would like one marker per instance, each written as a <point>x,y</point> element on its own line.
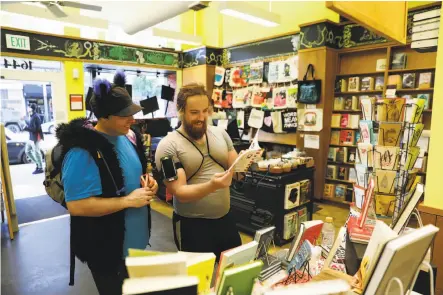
<point>216,204</point>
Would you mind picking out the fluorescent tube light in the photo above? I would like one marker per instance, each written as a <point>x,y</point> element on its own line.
<point>249,13</point>
<point>177,36</point>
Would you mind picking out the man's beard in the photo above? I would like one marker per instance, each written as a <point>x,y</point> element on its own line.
<point>193,131</point>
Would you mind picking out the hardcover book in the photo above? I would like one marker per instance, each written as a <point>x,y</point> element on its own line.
<point>379,82</point>
<point>408,81</point>
<point>398,61</point>
<point>367,84</point>
<point>425,80</point>
<point>354,84</point>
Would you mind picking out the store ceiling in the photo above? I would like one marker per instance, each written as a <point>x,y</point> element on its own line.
<point>131,15</point>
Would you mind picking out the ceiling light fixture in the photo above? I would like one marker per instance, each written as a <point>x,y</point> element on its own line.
<point>178,37</point>
<point>249,13</point>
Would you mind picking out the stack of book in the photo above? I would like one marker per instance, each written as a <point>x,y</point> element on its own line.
<point>425,28</point>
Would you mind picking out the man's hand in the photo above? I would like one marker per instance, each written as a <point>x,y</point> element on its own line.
<point>139,198</point>
<point>222,180</point>
<point>153,185</point>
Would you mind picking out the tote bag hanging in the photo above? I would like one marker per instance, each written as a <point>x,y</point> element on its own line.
<point>309,91</point>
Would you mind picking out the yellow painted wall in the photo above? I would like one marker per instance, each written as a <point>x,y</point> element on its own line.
<point>74,86</point>
<point>434,185</point>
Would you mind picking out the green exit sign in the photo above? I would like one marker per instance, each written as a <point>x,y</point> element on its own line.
<point>17,42</point>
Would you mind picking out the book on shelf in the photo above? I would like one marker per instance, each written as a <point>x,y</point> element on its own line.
<point>379,82</point>
<point>380,65</point>
<point>395,81</point>
<point>353,121</point>
<point>386,157</point>
<point>364,154</point>
<point>367,84</point>
<point>166,285</point>
<point>347,137</point>
<point>290,225</point>
<point>385,181</point>
<point>384,204</point>
<point>426,35</point>
<point>367,131</point>
<point>310,231</point>
<point>355,103</point>
<point>329,190</point>
<point>339,103</point>
<point>341,85</point>
<point>352,174</point>
<point>305,186</point>
<point>235,256</point>
<point>351,156</point>
<point>424,43</point>
<point>332,154</point>
<point>389,133</point>
<point>240,279</point>
<point>398,61</point>
<point>354,84</point>
<point>335,120</point>
<point>348,103</point>
<point>340,191</point>
<point>342,173</point>
<point>408,81</point>
<point>344,120</point>
<point>430,14</point>
<point>424,80</point>
<point>335,137</point>
<point>396,255</point>
<point>427,98</point>
<point>390,109</point>
<point>341,155</point>
<point>331,171</point>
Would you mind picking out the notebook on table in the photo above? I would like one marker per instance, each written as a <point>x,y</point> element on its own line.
<point>175,285</point>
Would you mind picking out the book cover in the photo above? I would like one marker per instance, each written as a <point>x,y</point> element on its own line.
<point>240,279</point>
<point>341,85</point>
<point>331,171</point>
<point>332,154</point>
<point>201,265</point>
<point>367,131</point>
<point>394,81</point>
<point>367,84</point>
<point>335,137</point>
<point>305,186</point>
<point>340,191</point>
<point>380,65</point>
<point>425,80</point>
<point>385,181</point>
<point>354,121</point>
<point>256,73</point>
<point>358,234</point>
<point>362,175</point>
<point>427,98</point>
<point>347,137</point>
<point>384,205</point>
<point>156,265</point>
<point>408,81</point>
<point>342,173</point>
<point>352,175</point>
<point>348,103</point>
<point>351,156</point>
<point>386,157</point>
<point>354,84</point>
<point>364,154</point>
<point>389,133</point>
<point>344,120</point>
<point>355,103</point>
<point>290,225</point>
<point>303,255</point>
<point>379,82</point>
<point>342,154</point>
<point>309,230</point>
<point>398,61</point>
<point>335,120</point>
<point>329,190</point>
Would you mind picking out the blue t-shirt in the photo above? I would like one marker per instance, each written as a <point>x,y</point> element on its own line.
<point>81,179</point>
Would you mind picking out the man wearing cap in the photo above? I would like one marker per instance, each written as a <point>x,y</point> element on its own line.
<point>32,148</point>
<point>101,176</point>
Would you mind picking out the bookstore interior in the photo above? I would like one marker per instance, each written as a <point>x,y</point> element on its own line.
<point>336,115</point>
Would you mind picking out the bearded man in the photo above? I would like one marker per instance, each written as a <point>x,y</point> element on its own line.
<point>202,154</point>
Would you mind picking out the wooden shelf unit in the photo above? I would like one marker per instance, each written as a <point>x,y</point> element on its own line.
<point>416,90</point>
<point>359,92</point>
<point>336,200</point>
<point>342,145</point>
<point>340,180</point>
<point>346,112</point>
<point>412,70</point>
<point>341,163</point>
<point>344,128</point>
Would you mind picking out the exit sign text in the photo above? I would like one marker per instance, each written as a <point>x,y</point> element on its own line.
<point>17,42</point>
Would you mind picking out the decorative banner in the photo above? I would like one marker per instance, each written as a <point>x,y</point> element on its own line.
<point>202,56</point>
<point>81,49</point>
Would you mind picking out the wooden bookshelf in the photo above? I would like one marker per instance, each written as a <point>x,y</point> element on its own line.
<point>336,200</point>
<point>415,90</point>
<point>358,92</point>
<point>346,111</point>
<point>341,163</point>
<point>379,73</point>
<point>411,70</point>
<point>340,180</point>
<point>344,128</point>
<point>342,145</point>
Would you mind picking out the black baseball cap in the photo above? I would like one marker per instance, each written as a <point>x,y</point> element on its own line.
<point>113,99</point>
